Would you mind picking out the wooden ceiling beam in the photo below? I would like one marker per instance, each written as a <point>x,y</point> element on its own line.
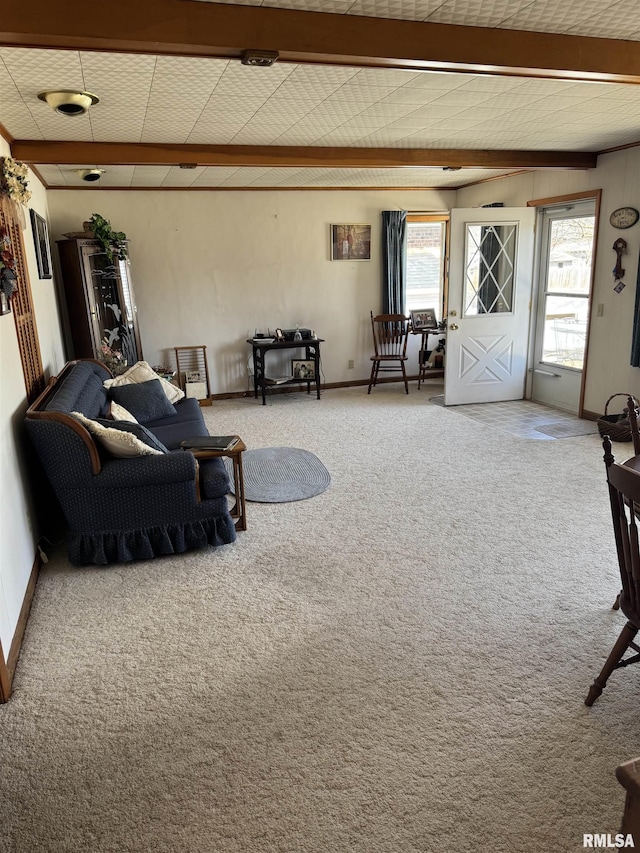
<point>37,151</point>
<point>183,27</point>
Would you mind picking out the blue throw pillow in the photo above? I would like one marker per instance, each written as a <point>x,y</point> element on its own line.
<point>141,432</point>
<point>145,400</point>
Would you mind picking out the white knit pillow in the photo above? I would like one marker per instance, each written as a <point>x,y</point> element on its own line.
<point>143,372</point>
<point>117,442</point>
<point>119,413</point>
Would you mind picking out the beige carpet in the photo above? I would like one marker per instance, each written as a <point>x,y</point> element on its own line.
<point>396,665</point>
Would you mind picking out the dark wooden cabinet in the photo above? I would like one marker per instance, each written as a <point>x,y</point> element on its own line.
<point>100,302</point>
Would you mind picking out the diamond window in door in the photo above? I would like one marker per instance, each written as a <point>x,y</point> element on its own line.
<point>489,269</point>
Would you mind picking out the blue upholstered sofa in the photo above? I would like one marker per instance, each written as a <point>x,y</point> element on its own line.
<point>120,509</point>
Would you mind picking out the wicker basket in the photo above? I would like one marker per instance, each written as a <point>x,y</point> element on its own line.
<point>617,427</point>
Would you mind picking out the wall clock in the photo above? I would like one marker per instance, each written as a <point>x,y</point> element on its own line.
<point>624,217</point>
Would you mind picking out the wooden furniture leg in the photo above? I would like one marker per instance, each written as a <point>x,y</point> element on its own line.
<point>627,635</point>
<point>239,509</point>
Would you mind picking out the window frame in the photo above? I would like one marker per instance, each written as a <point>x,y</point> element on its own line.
<point>444,218</point>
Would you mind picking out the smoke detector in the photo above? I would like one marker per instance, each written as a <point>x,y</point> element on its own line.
<point>69,102</point>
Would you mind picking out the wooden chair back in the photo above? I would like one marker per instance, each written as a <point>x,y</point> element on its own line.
<point>634,420</point>
<point>390,335</point>
<point>624,494</point>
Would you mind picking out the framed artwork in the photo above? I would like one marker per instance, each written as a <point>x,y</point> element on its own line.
<point>350,242</point>
<point>41,242</point>
<point>303,369</point>
<point>424,319</point>
<point>5,304</point>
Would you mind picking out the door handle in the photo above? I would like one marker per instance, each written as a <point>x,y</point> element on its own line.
<point>453,327</point>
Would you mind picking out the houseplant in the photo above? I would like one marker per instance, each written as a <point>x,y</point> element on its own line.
<point>110,240</point>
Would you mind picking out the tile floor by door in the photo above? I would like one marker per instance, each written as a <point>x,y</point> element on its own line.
<point>517,417</point>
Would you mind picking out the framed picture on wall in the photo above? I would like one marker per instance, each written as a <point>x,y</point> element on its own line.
<point>41,243</point>
<point>350,242</point>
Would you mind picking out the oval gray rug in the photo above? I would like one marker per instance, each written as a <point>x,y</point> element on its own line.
<point>281,474</point>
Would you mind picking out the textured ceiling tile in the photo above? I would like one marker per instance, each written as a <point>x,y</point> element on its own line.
<point>250,136</point>
<point>342,110</point>
<point>116,176</point>
<point>180,90</point>
<point>184,75</point>
<point>554,16</point>
<point>119,74</point>
<point>364,124</point>
<point>156,130</point>
<point>19,122</point>
<point>355,90</point>
<point>292,137</point>
<point>114,125</point>
<point>410,10</point>
<point>384,77</point>
<point>284,107</point>
<point>417,97</point>
<point>239,79</point>
<point>122,82</point>
<point>338,137</point>
<point>602,28</point>
<point>476,13</point>
<point>380,139</point>
<point>491,84</point>
<point>461,97</point>
<point>540,87</point>
<point>431,111</point>
<point>51,174</point>
<point>439,80</point>
<point>510,101</point>
<point>327,76</point>
<point>213,176</point>
<point>16,115</point>
<point>177,177</point>
<point>149,176</point>
<point>54,126</point>
<point>34,70</point>
<point>387,111</point>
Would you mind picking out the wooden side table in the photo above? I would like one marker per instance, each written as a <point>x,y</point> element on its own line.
<point>239,509</point>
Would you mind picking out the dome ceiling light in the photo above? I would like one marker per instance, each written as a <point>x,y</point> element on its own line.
<point>91,175</point>
<point>69,102</point>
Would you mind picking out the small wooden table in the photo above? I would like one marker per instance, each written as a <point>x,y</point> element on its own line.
<point>239,509</point>
<point>424,371</point>
<point>311,347</point>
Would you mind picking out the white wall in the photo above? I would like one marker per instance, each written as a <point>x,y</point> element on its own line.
<point>618,176</point>
<point>211,267</point>
<point>17,541</point>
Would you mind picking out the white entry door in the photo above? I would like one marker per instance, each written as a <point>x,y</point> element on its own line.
<point>490,286</point>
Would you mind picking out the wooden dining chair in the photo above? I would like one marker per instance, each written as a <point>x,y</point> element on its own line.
<point>390,335</point>
<point>634,420</point>
<point>624,495</point>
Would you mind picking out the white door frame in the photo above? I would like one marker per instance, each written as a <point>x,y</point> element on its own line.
<point>541,203</point>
